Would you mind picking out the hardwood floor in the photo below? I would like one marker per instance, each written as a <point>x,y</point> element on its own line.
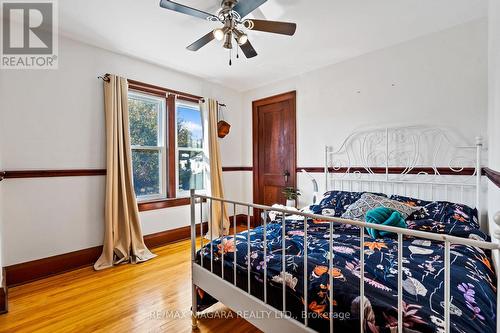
<point>128,298</point>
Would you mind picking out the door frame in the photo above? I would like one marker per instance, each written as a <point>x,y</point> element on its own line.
<point>288,96</point>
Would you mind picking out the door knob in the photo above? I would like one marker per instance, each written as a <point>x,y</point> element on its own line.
<point>286,175</point>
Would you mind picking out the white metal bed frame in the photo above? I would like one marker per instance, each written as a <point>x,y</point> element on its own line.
<point>400,146</point>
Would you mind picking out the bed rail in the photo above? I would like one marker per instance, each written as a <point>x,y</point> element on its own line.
<point>241,300</point>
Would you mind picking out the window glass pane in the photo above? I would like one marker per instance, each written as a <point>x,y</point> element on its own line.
<point>144,116</point>
<point>191,170</point>
<point>189,126</point>
<point>146,169</point>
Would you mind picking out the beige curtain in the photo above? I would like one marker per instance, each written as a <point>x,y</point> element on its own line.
<point>220,219</point>
<point>123,240</point>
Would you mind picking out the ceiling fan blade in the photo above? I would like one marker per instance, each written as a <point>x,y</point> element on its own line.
<point>187,10</point>
<point>284,28</point>
<point>201,42</point>
<point>245,7</point>
<point>248,50</point>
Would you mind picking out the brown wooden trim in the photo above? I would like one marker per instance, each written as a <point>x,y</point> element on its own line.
<point>312,169</point>
<point>170,236</point>
<point>161,91</point>
<point>171,158</point>
<point>395,170</point>
<point>4,306</point>
<point>165,203</point>
<point>492,175</point>
<point>11,174</point>
<point>275,98</point>
<point>241,220</point>
<point>142,89</point>
<point>4,295</point>
<point>378,170</point>
<point>143,206</point>
<point>38,269</point>
<point>241,168</point>
<point>292,95</point>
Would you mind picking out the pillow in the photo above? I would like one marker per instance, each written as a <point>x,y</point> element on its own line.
<point>368,201</point>
<point>335,203</point>
<point>449,212</point>
<point>442,211</point>
<point>409,200</point>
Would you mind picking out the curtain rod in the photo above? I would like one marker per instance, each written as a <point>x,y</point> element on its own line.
<point>105,78</point>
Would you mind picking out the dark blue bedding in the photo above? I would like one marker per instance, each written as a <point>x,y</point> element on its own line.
<point>473,306</point>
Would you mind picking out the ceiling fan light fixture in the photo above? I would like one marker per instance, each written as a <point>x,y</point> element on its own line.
<point>232,15</point>
<point>241,37</point>
<point>218,34</point>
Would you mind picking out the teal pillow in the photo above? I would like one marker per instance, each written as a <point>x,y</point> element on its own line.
<point>384,216</point>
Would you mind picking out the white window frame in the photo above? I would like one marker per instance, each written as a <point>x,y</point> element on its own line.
<point>161,148</point>
<point>183,193</point>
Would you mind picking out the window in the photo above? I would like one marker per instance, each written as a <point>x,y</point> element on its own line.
<point>148,142</point>
<point>190,156</point>
<point>167,145</point>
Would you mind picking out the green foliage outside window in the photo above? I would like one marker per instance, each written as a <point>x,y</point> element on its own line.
<point>144,118</point>
<point>147,118</point>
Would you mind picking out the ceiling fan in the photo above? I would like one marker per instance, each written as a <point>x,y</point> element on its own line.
<point>232,15</point>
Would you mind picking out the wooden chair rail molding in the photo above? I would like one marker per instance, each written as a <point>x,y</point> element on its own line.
<point>493,175</point>
<point>13,174</point>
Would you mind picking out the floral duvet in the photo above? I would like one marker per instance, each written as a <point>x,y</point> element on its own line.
<point>473,292</point>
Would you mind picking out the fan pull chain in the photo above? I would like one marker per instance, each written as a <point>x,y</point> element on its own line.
<point>230,61</point>
<point>237,52</point>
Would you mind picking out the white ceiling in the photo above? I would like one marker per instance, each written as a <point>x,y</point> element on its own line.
<point>328,31</point>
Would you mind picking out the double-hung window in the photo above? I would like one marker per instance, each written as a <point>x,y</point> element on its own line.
<point>166,136</point>
<point>147,114</point>
<point>190,155</point>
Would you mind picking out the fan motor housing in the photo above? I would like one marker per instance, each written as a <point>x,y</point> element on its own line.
<point>228,3</point>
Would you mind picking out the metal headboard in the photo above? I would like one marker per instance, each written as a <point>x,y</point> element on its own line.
<point>420,161</point>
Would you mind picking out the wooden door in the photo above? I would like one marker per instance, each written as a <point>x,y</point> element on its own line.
<point>274,147</point>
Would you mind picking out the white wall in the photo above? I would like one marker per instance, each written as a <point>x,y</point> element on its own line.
<point>494,104</point>
<point>55,120</point>
<point>439,79</point>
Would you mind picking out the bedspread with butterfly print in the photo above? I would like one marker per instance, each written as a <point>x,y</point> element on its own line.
<point>473,281</point>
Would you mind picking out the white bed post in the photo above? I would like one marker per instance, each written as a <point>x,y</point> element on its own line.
<point>400,283</point>
<point>326,168</point>
<point>496,255</point>
<point>447,281</point>
<point>194,304</point>
<point>479,172</point>
<point>387,154</point>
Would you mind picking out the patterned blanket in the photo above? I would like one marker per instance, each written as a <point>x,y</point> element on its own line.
<point>473,292</point>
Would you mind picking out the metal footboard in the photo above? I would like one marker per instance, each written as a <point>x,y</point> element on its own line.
<point>242,300</point>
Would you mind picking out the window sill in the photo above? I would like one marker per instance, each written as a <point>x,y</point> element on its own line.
<point>163,203</point>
